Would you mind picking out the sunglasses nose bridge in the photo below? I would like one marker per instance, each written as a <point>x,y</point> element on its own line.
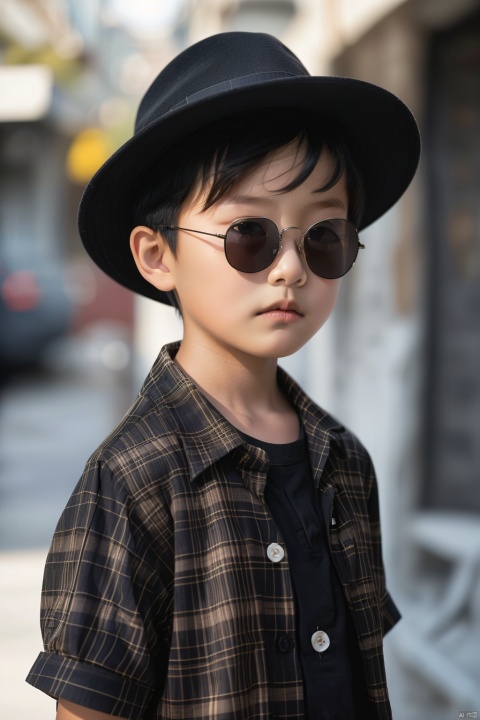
<point>298,243</point>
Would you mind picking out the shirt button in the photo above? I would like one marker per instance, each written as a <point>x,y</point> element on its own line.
<point>275,552</point>
<point>285,643</point>
<point>320,641</point>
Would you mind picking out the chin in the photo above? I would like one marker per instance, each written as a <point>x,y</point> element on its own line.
<point>285,349</point>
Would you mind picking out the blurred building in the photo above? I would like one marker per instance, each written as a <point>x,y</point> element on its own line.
<point>60,118</point>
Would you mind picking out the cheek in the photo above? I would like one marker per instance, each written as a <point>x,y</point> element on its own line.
<point>206,283</point>
<point>326,296</point>
<point>228,294</point>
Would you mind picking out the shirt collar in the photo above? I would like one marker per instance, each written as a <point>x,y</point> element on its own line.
<point>321,429</point>
<point>205,433</point>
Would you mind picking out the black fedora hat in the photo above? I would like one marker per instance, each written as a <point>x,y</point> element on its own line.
<point>217,77</point>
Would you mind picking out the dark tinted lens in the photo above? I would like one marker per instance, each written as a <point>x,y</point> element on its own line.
<point>251,244</point>
<point>331,248</point>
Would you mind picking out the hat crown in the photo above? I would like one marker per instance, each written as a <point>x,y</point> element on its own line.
<point>215,61</point>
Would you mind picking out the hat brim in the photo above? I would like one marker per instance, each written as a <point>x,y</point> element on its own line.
<point>378,128</point>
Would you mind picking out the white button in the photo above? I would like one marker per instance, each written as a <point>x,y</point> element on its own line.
<point>320,641</point>
<point>275,552</point>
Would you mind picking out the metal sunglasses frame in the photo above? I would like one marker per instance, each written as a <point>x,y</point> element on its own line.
<point>299,244</point>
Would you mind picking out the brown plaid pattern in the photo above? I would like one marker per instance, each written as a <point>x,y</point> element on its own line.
<point>159,600</point>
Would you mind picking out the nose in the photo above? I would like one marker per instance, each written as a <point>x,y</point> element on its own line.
<point>289,267</point>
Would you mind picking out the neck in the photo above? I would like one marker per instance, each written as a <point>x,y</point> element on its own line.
<point>243,389</point>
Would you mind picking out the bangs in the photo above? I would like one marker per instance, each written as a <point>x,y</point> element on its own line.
<point>235,164</point>
<point>212,160</point>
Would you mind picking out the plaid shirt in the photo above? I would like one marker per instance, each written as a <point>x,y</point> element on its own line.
<point>159,599</point>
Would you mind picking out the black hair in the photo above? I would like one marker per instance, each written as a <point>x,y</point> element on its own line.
<point>221,154</point>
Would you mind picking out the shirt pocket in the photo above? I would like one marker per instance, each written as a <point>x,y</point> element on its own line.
<point>351,543</point>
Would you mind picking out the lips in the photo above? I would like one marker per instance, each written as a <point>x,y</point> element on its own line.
<point>287,307</point>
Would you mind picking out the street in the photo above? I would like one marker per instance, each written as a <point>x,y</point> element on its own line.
<point>49,425</point>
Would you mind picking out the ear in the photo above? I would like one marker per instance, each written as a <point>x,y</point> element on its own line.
<point>153,257</point>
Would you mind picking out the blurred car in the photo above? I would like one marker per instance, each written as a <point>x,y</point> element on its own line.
<point>34,310</point>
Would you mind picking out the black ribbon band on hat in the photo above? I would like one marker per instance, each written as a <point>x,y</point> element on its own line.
<point>239,82</point>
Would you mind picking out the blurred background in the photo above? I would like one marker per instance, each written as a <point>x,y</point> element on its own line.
<point>399,362</point>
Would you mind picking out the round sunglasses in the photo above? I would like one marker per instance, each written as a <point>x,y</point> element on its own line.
<point>251,244</point>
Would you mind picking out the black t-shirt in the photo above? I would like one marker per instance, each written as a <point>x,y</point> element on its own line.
<point>326,643</point>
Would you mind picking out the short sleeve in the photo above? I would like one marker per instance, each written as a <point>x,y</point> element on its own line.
<point>102,604</point>
<point>390,612</point>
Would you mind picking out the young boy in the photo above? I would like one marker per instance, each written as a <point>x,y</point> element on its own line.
<point>220,557</point>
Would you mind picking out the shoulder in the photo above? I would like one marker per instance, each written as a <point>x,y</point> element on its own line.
<point>354,451</point>
<point>144,449</point>
<point>124,495</point>
<point>170,435</point>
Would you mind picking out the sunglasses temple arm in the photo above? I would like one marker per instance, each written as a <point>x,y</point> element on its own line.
<point>202,232</point>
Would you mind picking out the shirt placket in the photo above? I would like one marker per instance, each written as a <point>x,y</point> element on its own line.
<point>285,686</point>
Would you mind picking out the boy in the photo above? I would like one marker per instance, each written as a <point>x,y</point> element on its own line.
<point>220,557</point>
